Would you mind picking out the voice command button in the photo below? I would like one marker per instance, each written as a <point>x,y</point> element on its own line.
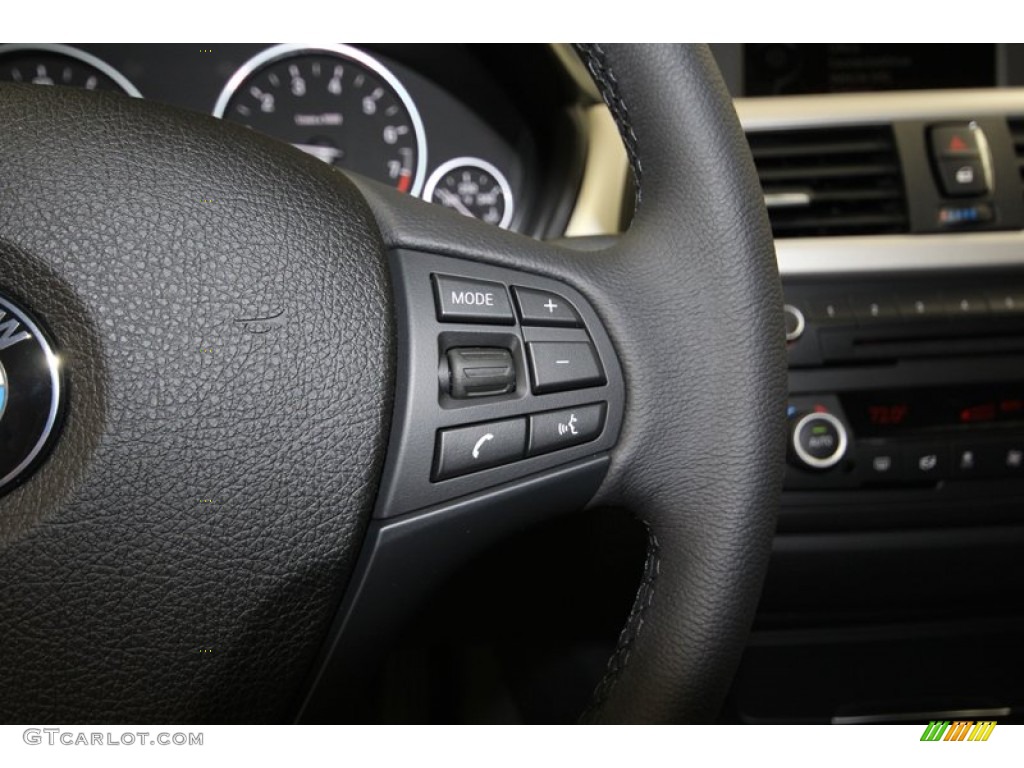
<point>554,430</point>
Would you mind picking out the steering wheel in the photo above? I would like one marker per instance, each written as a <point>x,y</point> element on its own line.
<point>245,337</point>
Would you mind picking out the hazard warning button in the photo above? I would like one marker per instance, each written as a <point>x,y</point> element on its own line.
<point>958,141</point>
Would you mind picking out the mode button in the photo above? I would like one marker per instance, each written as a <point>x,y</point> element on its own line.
<point>461,300</point>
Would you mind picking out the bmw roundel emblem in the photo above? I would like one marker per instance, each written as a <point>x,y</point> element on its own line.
<point>30,393</point>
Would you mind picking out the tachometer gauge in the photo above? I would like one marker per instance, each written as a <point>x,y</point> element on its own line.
<point>338,104</point>
<point>473,187</point>
<point>51,64</point>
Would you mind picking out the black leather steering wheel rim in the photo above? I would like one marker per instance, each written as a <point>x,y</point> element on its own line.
<point>690,297</point>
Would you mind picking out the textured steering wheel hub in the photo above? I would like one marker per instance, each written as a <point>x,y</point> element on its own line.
<point>224,320</point>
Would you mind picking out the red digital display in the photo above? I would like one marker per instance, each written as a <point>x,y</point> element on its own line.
<point>888,415</point>
<point>975,414</point>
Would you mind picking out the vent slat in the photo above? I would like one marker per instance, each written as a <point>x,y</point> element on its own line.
<point>869,221</point>
<point>841,181</point>
<point>849,171</point>
<point>789,150</point>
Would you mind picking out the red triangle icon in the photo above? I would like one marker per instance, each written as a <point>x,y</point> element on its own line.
<point>957,144</point>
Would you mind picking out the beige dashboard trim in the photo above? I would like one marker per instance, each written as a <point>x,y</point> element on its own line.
<point>598,208</point>
<point>858,108</point>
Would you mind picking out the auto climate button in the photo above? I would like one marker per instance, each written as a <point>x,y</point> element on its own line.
<point>818,441</point>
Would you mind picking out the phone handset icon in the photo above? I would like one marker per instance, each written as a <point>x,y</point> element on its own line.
<point>480,443</point>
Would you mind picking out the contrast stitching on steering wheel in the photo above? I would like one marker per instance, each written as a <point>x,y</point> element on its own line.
<point>617,663</point>
<point>593,57</point>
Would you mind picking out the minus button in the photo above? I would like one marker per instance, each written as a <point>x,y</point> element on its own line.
<point>561,365</point>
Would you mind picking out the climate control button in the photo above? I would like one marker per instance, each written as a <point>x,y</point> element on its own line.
<point>818,441</point>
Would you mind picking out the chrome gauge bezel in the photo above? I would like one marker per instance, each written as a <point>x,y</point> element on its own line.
<point>288,50</point>
<point>483,165</point>
<point>78,55</point>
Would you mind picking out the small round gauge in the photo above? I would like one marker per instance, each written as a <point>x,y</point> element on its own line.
<point>52,64</point>
<point>336,103</point>
<point>473,187</point>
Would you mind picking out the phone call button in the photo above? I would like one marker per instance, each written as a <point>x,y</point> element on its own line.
<point>462,450</point>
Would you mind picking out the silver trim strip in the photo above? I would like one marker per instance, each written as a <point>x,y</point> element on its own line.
<point>900,717</point>
<point>74,53</point>
<point>483,165</point>
<point>53,363</point>
<point>759,114</point>
<point>285,50</point>
<point>787,199</point>
<point>898,253</point>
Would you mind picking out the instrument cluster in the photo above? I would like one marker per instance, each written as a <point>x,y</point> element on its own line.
<point>352,107</point>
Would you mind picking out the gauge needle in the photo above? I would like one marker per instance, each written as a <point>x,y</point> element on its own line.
<point>327,154</point>
<point>451,199</point>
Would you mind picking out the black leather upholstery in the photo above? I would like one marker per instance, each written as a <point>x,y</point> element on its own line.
<point>692,300</point>
<point>222,309</point>
<point>116,574</point>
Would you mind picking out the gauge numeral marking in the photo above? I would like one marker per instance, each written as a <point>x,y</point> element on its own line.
<point>392,133</point>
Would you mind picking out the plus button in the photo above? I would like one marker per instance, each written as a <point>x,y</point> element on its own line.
<point>550,306</point>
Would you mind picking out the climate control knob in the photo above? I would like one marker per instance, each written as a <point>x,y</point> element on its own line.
<point>817,440</point>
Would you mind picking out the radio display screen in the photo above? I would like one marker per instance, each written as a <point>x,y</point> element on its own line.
<point>895,413</point>
<point>771,69</point>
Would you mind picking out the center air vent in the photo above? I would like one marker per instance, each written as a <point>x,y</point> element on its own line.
<point>1017,132</point>
<point>832,181</point>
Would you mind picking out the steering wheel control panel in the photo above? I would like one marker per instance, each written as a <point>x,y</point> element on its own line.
<point>501,375</point>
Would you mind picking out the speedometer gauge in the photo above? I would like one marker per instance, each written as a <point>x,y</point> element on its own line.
<point>52,64</point>
<point>336,103</point>
<point>472,187</point>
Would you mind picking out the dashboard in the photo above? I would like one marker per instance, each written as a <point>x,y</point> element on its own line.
<point>893,177</point>
<point>446,123</point>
